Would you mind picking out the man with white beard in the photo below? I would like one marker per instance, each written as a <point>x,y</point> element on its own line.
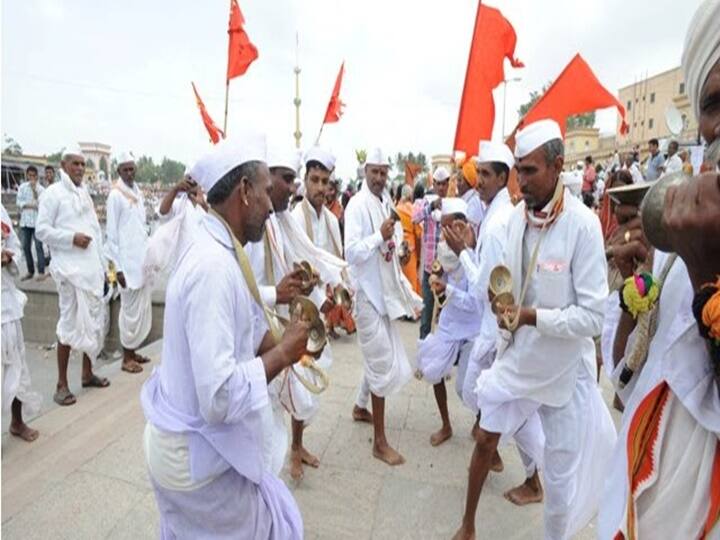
<point>384,294</point>
<point>68,225</point>
<point>126,243</point>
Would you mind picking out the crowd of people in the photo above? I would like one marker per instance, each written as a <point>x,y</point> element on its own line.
<point>527,300</point>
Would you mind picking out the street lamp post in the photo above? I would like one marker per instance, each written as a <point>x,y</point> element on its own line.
<point>514,79</point>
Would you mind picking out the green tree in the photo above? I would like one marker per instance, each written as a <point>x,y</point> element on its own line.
<point>170,171</point>
<point>573,122</point>
<point>54,158</point>
<point>11,147</point>
<point>104,166</point>
<point>90,164</point>
<point>147,171</point>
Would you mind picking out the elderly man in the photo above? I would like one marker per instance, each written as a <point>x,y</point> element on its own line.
<point>545,362</point>
<point>663,482</point>
<point>631,165</point>
<point>16,392</point>
<point>68,224</point>
<point>204,403</point>
<point>427,213</point>
<point>466,186</point>
<point>28,197</point>
<point>126,243</point>
<point>493,163</point>
<point>384,294</point>
<point>285,243</point>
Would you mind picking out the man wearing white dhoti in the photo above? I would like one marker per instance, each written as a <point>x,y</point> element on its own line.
<point>203,404</point>
<point>383,295</point>
<point>126,243</point>
<point>284,243</point>
<point>493,163</point>
<point>458,323</point>
<point>16,392</point>
<point>546,361</point>
<point>664,482</point>
<point>68,225</point>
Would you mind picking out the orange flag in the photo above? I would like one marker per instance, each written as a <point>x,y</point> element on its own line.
<point>411,171</point>
<point>493,40</point>
<point>241,53</point>
<point>334,108</point>
<point>215,132</point>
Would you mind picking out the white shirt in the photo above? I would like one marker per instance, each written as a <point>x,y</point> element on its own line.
<point>25,196</point>
<point>66,209</point>
<point>324,229</point>
<point>568,288</point>
<point>13,299</point>
<point>673,164</point>
<point>475,209</point>
<point>126,231</point>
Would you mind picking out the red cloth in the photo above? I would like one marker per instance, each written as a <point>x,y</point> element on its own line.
<point>241,53</point>
<point>589,178</point>
<point>334,108</point>
<point>215,132</point>
<point>411,171</point>
<point>493,40</point>
<point>576,90</point>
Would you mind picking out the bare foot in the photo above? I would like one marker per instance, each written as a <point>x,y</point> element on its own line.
<point>308,458</point>
<point>362,415</point>
<point>387,454</point>
<point>463,534</point>
<point>528,492</point>
<point>441,436</point>
<point>23,431</point>
<point>497,465</point>
<point>296,468</point>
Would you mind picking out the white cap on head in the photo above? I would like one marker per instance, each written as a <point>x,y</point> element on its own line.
<point>225,156</point>
<point>125,157</point>
<point>534,135</point>
<point>490,152</point>
<point>72,150</point>
<point>279,156</point>
<point>321,155</point>
<point>454,205</point>
<point>702,50</point>
<point>441,174</point>
<point>377,157</point>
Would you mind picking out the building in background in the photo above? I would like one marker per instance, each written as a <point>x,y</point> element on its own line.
<point>97,161</point>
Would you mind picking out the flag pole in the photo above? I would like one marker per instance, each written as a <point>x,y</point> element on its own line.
<point>317,141</point>
<point>227,81</point>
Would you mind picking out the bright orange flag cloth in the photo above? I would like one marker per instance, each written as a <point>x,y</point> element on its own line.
<point>241,53</point>
<point>334,108</point>
<point>215,132</point>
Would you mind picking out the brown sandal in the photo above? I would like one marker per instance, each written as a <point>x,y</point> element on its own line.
<point>141,359</point>
<point>131,366</point>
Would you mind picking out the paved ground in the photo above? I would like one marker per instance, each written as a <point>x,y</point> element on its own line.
<point>85,476</point>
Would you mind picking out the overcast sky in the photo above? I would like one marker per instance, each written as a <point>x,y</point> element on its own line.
<point>119,72</point>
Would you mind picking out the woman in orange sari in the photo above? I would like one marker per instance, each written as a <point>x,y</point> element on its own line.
<point>412,234</point>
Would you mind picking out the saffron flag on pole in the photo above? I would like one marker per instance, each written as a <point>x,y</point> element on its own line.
<point>215,132</point>
<point>493,40</point>
<point>241,52</point>
<point>334,108</point>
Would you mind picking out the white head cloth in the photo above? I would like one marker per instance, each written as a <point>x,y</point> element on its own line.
<point>377,157</point>
<point>225,156</point>
<point>454,205</point>
<point>279,156</point>
<point>72,150</point>
<point>441,174</point>
<point>702,50</point>
<point>316,153</point>
<point>489,152</point>
<point>125,157</point>
<point>534,135</point>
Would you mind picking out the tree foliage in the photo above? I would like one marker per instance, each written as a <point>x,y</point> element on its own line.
<point>11,147</point>
<point>584,120</point>
<point>168,171</point>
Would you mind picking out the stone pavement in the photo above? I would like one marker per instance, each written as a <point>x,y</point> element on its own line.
<point>85,476</point>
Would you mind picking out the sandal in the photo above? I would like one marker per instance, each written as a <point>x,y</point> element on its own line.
<point>96,382</point>
<point>141,359</point>
<point>131,366</point>
<point>64,397</point>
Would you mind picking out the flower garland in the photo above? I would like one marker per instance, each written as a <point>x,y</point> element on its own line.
<point>639,294</point>
<point>706,308</point>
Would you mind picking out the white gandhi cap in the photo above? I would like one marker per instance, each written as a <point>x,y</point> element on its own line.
<point>225,156</point>
<point>534,135</point>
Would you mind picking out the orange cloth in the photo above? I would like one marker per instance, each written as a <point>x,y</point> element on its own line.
<point>336,208</point>
<point>469,171</point>
<point>412,234</point>
<point>215,132</point>
<point>339,316</point>
<point>241,52</point>
<point>334,109</point>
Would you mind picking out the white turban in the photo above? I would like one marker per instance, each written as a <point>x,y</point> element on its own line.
<point>125,157</point>
<point>377,157</point>
<point>454,205</point>
<point>534,135</point>
<point>279,156</point>
<point>320,155</point>
<point>702,50</point>
<point>72,150</point>
<point>490,152</point>
<point>225,156</point>
<point>441,174</point>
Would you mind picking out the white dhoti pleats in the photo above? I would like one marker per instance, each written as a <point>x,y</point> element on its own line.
<point>436,356</point>
<point>473,361</point>
<point>386,365</point>
<point>135,316</point>
<point>80,325</point>
<point>275,434</point>
<point>300,402</point>
<point>15,372</point>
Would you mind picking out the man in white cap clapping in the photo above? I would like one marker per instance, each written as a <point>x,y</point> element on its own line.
<point>68,224</point>
<point>126,243</point>
<point>545,362</point>
<point>204,403</point>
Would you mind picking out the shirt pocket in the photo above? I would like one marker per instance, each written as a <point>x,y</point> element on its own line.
<point>553,285</point>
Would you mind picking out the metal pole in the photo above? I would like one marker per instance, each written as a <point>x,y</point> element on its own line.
<point>503,114</point>
<point>297,101</point>
<point>227,81</point>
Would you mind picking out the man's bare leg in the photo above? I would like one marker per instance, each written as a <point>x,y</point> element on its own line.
<point>129,363</point>
<point>17,426</point>
<point>530,491</point>
<point>88,377</point>
<point>496,465</point>
<point>445,432</point>
<point>360,413</point>
<point>381,449</point>
<point>485,446</point>
<point>298,453</point>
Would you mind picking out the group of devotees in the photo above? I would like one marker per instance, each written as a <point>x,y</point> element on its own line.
<point>236,361</point>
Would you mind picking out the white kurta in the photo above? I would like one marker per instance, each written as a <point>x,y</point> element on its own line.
<point>126,244</point>
<point>207,398</point>
<point>673,501</point>
<point>323,230</point>
<point>66,209</point>
<point>475,209</point>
